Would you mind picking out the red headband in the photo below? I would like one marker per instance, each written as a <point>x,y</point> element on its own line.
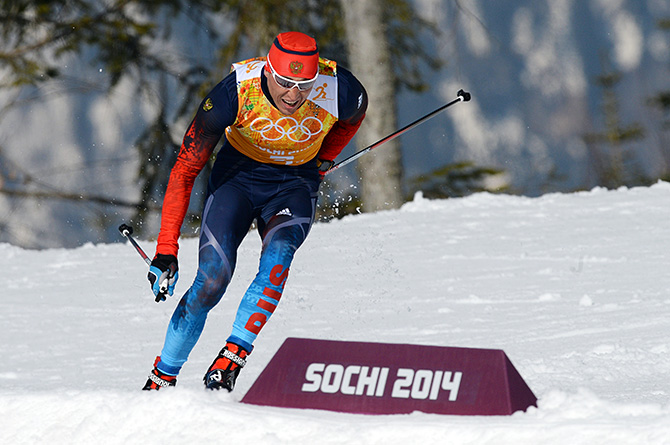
<point>294,54</point>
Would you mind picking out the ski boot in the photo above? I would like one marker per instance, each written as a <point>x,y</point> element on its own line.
<point>158,380</point>
<point>227,365</point>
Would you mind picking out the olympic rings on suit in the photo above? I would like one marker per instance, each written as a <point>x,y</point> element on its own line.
<point>265,126</point>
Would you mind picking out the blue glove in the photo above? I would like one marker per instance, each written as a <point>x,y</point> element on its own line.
<point>163,275</point>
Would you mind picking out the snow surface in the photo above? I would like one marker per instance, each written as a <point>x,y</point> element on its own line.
<point>575,288</point>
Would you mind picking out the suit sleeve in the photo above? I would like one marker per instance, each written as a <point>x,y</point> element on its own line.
<point>216,112</point>
<point>353,103</point>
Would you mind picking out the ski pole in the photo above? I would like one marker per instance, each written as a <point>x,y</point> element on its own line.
<point>462,96</point>
<point>127,231</point>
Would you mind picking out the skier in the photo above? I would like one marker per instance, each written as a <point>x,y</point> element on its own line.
<point>286,117</point>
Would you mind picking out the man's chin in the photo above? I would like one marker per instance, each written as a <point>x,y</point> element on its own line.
<point>287,109</point>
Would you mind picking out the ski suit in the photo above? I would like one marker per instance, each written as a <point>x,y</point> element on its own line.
<point>266,171</point>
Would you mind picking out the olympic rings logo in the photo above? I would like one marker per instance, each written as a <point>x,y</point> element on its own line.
<point>296,132</point>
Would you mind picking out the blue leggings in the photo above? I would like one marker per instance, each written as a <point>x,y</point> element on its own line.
<point>284,210</point>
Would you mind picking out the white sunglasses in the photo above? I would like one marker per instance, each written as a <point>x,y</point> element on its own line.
<point>285,82</point>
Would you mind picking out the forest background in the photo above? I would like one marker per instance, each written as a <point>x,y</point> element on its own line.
<point>95,98</point>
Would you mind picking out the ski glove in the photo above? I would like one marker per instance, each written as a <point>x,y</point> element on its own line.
<point>324,165</point>
<point>163,275</point>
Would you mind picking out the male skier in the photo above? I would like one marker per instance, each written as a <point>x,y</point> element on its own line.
<point>286,117</point>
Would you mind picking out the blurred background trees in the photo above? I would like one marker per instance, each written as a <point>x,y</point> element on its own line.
<point>163,56</point>
<point>126,39</point>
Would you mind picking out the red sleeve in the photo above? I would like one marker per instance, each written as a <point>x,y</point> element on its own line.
<point>193,155</point>
<point>352,102</point>
<point>337,138</point>
<point>214,114</point>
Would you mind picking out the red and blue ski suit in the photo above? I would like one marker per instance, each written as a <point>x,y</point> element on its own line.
<point>266,171</point>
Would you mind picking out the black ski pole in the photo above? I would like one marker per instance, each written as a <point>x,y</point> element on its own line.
<point>127,231</point>
<point>462,96</point>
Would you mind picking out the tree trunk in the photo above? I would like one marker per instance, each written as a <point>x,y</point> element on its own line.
<point>381,169</point>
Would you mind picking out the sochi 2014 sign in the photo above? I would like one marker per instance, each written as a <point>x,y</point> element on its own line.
<point>382,378</point>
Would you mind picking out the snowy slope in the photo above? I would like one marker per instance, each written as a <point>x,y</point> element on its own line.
<point>575,288</point>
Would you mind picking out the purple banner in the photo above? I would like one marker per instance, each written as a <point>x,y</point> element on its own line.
<point>382,378</point>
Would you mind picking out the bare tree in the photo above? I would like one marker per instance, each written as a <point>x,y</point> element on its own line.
<point>370,59</point>
<point>125,40</point>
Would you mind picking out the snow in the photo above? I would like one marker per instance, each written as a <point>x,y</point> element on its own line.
<point>575,288</point>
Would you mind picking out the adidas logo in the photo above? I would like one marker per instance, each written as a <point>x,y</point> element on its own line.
<point>286,212</point>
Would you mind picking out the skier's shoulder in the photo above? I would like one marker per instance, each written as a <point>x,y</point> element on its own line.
<point>352,97</point>
<point>219,107</point>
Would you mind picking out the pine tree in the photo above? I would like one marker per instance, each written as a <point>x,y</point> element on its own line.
<point>124,39</point>
<point>610,159</point>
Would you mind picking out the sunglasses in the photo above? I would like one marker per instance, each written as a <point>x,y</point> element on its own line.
<point>285,82</point>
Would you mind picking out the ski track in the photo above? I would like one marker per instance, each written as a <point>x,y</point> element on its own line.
<point>575,288</point>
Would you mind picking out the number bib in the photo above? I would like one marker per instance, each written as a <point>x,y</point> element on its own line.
<point>264,134</point>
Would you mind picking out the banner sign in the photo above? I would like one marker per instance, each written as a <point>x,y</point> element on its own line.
<point>383,378</point>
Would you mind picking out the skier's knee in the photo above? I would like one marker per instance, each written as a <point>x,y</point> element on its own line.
<point>211,282</point>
